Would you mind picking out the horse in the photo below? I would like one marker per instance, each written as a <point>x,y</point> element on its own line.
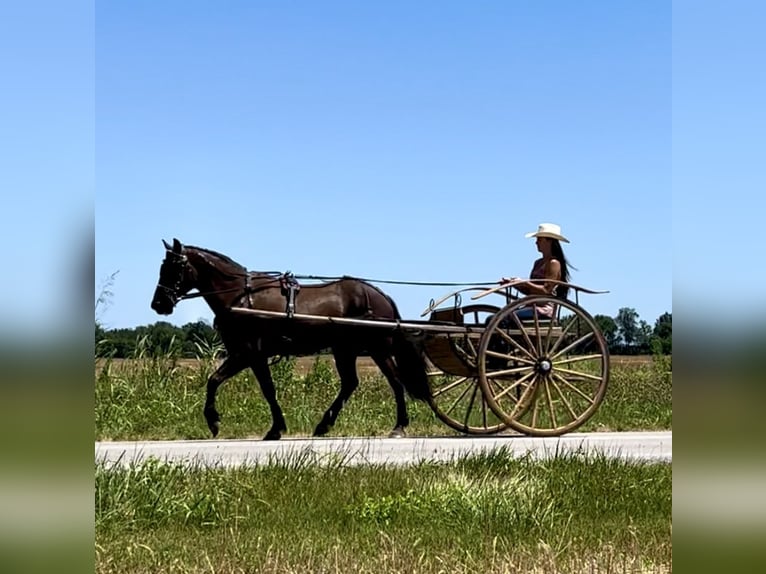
<point>252,341</point>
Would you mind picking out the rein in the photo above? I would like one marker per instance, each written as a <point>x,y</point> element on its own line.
<point>277,274</point>
<point>385,281</point>
<point>247,288</point>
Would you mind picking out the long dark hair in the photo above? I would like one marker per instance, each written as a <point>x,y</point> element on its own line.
<point>558,253</point>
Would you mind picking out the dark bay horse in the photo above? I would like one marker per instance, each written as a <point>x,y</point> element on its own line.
<point>251,341</point>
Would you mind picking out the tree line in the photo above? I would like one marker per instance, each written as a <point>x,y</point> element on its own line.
<point>625,334</point>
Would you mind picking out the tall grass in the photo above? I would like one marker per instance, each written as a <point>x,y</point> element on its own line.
<point>148,397</point>
<point>639,397</point>
<point>478,513</point>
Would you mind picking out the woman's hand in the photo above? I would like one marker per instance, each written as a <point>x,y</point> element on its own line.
<point>508,279</point>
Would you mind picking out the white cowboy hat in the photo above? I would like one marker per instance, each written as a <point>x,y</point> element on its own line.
<point>548,230</point>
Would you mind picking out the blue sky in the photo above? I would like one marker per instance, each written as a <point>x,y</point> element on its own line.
<point>47,176</point>
<point>398,141</point>
<point>389,141</point>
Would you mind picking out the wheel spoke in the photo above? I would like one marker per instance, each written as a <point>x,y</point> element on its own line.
<point>573,344</point>
<point>580,374</point>
<point>576,358</point>
<point>449,387</point>
<point>561,337</point>
<point>522,403</point>
<point>515,385</point>
<point>516,358</point>
<point>549,337</point>
<point>523,332</point>
<point>563,398</point>
<point>457,400</point>
<point>506,372</point>
<point>498,355</point>
<point>469,344</point>
<point>470,405</point>
<point>534,414</point>
<point>575,389</point>
<point>516,344</point>
<point>550,402</point>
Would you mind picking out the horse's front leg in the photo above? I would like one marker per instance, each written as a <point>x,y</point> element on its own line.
<point>232,365</point>
<point>260,367</point>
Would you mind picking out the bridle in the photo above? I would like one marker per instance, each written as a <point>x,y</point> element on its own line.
<point>179,261</point>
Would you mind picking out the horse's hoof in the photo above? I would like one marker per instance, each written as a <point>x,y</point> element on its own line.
<point>397,433</point>
<point>214,426</point>
<point>273,435</point>
<point>321,431</point>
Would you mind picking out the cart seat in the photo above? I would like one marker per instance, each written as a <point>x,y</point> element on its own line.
<point>447,316</point>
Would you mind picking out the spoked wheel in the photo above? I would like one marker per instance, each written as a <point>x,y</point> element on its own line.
<point>543,377</point>
<point>460,404</point>
<point>456,396</point>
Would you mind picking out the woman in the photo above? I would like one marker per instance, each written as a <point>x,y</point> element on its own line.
<point>552,265</point>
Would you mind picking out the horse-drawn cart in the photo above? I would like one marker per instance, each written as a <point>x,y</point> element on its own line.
<point>490,371</point>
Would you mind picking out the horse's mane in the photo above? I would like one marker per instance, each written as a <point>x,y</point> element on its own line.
<point>224,258</point>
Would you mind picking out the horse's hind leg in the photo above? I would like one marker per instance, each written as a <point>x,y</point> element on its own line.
<point>232,365</point>
<point>386,365</point>
<point>262,372</point>
<point>349,381</point>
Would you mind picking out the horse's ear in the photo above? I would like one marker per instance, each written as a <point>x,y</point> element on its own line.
<point>177,247</point>
<point>165,243</point>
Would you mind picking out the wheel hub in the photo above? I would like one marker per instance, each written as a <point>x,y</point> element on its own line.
<point>544,366</point>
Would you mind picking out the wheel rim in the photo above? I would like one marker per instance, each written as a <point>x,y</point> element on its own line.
<point>457,399</point>
<point>460,403</point>
<point>543,378</point>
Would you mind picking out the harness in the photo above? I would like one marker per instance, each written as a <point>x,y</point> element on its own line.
<point>289,287</point>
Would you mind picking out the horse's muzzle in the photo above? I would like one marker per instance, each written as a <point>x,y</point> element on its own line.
<point>162,305</point>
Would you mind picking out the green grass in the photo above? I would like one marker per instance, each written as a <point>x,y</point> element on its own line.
<point>162,398</point>
<point>479,513</point>
<point>639,397</point>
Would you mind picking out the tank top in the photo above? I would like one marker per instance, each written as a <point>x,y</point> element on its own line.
<point>538,272</point>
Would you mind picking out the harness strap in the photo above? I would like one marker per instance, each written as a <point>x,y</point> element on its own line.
<point>289,287</point>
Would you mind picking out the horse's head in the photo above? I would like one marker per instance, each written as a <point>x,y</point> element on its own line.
<point>177,277</point>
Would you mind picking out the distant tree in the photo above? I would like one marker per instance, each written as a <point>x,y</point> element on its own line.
<point>608,328</point>
<point>643,337</point>
<point>160,338</point>
<point>198,333</point>
<point>123,342</point>
<point>663,332</point>
<point>627,324</point>
<point>165,338</point>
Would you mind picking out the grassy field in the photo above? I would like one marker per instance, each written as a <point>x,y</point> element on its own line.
<point>486,513</point>
<point>163,399</point>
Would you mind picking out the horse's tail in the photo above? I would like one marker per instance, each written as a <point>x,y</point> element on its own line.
<point>411,367</point>
<point>409,360</point>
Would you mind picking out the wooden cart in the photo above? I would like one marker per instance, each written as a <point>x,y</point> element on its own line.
<point>543,376</point>
<point>490,371</point>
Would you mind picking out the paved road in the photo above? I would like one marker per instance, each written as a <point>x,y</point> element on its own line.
<point>652,446</point>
